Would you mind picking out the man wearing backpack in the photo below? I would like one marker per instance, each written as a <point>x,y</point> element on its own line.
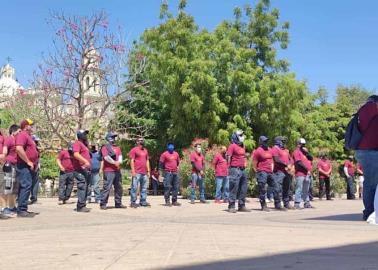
<point>112,156</point>
<point>367,151</point>
<point>94,184</point>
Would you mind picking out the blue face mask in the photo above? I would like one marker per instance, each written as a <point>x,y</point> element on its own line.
<point>170,148</point>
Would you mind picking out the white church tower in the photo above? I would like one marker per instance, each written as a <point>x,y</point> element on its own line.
<point>8,83</point>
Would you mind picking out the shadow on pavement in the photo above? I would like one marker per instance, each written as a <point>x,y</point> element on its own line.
<point>344,217</point>
<point>349,257</point>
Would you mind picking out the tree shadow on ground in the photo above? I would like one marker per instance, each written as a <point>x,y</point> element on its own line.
<point>344,217</point>
<point>349,257</point>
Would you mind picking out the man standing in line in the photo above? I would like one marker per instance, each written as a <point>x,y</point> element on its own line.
<point>325,170</point>
<point>94,184</point>
<point>221,175</point>
<point>168,163</point>
<point>349,178</point>
<point>27,159</point>
<point>281,176</point>
<point>140,170</point>
<point>302,163</point>
<point>35,174</point>
<point>9,151</point>
<point>237,176</point>
<point>112,171</point>
<point>82,166</point>
<point>263,165</point>
<point>65,161</point>
<point>198,164</point>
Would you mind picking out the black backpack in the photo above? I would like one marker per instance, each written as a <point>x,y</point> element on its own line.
<point>353,135</point>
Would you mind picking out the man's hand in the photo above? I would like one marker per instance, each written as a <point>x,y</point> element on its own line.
<point>202,173</point>
<point>161,179</point>
<point>133,174</point>
<point>87,165</point>
<point>30,164</point>
<point>117,164</point>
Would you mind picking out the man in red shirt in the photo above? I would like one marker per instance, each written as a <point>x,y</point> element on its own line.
<point>140,170</point>
<point>82,166</point>
<point>281,175</point>
<point>367,151</point>
<point>237,176</point>
<point>9,168</point>
<point>112,171</point>
<point>65,161</point>
<point>168,163</point>
<point>349,177</point>
<point>325,170</point>
<point>221,175</point>
<point>263,166</point>
<point>198,165</point>
<point>302,163</point>
<point>27,159</point>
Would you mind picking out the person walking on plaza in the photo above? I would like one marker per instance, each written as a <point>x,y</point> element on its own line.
<point>197,160</point>
<point>324,170</point>
<point>367,152</point>
<point>112,156</point>
<point>94,184</point>
<point>263,164</point>
<point>168,163</point>
<point>360,180</point>
<point>281,175</point>
<point>27,161</point>
<point>82,166</point>
<point>140,171</point>
<point>221,176</point>
<point>65,161</point>
<point>302,163</point>
<point>9,168</point>
<point>349,171</point>
<point>236,157</point>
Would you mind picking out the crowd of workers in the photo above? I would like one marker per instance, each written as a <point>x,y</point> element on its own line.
<point>275,169</point>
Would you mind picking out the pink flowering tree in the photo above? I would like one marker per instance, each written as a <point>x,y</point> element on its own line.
<point>84,76</point>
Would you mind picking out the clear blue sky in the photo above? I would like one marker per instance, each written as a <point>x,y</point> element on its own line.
<point>332,41</point>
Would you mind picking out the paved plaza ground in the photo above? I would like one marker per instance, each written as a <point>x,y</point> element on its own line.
<point>332,236</point>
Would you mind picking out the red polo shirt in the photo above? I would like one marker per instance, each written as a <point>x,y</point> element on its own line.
<point>66,160</point>
<point>79,147</point>
<point>350,166</point>
<point>368,117</point>
<point>299,156</point>
<point>108,167</point>
<point>140,157</point>
<point>171,161</point>
<point>237,155</point>
<point>198,160</point>
<point>25,140</point>
<point>325,165</point>
<point>10,143</point>
<point>283,155</point>
<point>264,159</point>
<point>220,165</point>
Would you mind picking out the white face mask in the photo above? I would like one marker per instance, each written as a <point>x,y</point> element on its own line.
<point>241,139</point>
<point>198,149</point>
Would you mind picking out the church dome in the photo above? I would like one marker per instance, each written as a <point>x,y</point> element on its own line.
<point>9,86</point>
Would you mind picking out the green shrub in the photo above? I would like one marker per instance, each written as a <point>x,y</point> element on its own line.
<point>49,168</point>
